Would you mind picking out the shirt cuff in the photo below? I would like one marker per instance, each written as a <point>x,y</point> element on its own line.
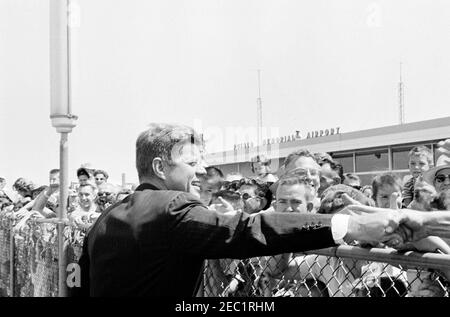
<point>339,227</point>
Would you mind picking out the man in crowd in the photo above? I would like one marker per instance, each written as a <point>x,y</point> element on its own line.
<point>106,196</point>
<point>294,194</point>
<point>352,180</point>
<point>163,233</point>
<point>86,213</point>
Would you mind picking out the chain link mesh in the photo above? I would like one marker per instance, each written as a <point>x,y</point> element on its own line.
<point>6,224</point>
<point>320,273</point>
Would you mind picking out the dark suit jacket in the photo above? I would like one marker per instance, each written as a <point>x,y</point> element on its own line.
<point>154,242</point>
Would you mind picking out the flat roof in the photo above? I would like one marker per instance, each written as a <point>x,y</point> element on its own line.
<point>420,131</point>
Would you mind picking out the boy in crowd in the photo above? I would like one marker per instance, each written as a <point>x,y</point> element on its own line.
<point>210,183</point>
<point>420,161</point>
<point>383,188</point>
<point>261,167</point>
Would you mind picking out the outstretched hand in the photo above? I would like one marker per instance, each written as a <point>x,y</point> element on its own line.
<point>373,225</point>
<point>224,206</point>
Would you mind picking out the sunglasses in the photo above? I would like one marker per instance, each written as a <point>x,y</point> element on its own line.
<point>441,178</point>
<point>246,196</point>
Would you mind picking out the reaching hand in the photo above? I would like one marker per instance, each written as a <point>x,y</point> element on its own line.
<point>412,224</point>
<point>373,225</point>
<point>347,200</point>
<point>395,201</point>
<point>223,207</point>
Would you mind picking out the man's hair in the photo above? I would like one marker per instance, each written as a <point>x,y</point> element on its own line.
<point>422,150</point>
<point>324,158</point>
<point>261,189</point>
<point>331,198</point>
<point>385,179</point>
<point>94,189</point>
<point>338,168</point>
<point>83,171</point>
<point>125,191</point>
<point>228,195</point>
<point>353,177</point>
<point>214,171</point>
<point>158,141</point>
<point>292,157</point>
<point>96,172</point>
<point>35,192</point>
<point>292,179</point>
<point>22,184</point>
<point>54,171</point>
<point>114,188</point>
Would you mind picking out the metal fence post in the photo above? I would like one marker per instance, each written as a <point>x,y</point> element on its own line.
<point>62,214</point>
<point>11,253</point>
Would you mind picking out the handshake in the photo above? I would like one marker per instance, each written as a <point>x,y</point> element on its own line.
<point>394,227</point>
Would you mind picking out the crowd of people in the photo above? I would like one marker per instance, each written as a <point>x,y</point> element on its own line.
<point>305,183</point>
<point>87,200</point>
<point>315,183</point>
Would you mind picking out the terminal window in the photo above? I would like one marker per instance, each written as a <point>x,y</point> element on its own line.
<point>346,161</point>
<point>372,161</point>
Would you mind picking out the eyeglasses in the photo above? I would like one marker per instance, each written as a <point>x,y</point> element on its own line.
<point>245,196</point>
<point>300,171</point>
<point>441,178</point>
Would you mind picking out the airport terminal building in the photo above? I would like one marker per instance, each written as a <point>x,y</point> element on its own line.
<point>365,152</point>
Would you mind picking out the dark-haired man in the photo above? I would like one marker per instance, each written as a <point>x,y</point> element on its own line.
<point>160,235</point>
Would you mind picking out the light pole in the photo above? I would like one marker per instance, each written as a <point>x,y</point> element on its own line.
<point>60,114</point>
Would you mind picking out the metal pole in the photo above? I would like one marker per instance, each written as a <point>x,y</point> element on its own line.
<point>11,260</point>
<point>62,212</point>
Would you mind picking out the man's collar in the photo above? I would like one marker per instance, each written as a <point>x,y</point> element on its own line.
<point>145,186</point>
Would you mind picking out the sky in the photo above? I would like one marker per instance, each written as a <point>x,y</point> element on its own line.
<point>323,64</point>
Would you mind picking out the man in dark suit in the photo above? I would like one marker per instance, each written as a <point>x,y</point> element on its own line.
<point>154,241</point>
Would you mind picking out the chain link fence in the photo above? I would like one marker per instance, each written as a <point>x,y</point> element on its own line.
<point>29,268</point>
<point>334,272</point>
